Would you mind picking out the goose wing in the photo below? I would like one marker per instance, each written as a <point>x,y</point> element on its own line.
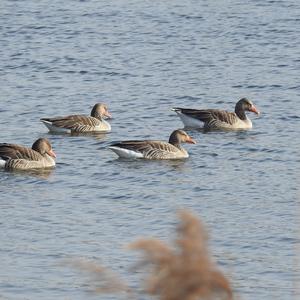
<point>210,116</point>
<point>12,151</point>
<point>77,123</point>
<point>149,149</point>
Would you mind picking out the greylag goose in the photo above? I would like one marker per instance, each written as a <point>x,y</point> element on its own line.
<point>80,123</point>
<point>155,149</point>
<point>218,119</point>
<point>14,156</point>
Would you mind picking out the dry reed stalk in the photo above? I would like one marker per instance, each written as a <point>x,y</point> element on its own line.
<point>183,272</point>
<point>186,272</point>
<point>103,280</point>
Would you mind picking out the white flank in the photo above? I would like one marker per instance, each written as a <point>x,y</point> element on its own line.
<point>2,163</point>
<point>54,128</point>
<point>125,153</point>
<point>189,121</point>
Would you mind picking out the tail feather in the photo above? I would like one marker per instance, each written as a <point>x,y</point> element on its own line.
<point>52,128</point>
<point>176,109</point>
<point>125,153</point>
<point>46,120</point>
<point>2,162</point>
<point>190,117</point>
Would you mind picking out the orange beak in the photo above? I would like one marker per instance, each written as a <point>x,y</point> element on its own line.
<point>51,153</point>
<point>190,140</point>
<point>108,115</point>
<point>254,109</point>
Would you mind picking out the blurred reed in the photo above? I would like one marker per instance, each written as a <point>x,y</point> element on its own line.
<point>185,271</point>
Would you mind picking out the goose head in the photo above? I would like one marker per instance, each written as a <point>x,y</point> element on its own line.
<point>245,105</point>
<point>43,146</point>
<point>179,136</point>
<point>100,110</point>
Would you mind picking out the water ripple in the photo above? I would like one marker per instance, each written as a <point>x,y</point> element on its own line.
<point>142,59</point>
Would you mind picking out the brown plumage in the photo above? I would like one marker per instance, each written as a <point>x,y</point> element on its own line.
<point>185,271</point>
<point>14,156</point>
<point>218,119</point>
<point>80,123</point>
<point>154,149</point>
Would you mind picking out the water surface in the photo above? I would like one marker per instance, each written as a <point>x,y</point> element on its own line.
<point>142,58</point>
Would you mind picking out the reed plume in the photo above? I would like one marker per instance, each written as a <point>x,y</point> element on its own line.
<point>185,271</point>
<point>103,280</point>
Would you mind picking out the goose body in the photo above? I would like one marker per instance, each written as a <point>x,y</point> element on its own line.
<point>150,149</point>
<point>80,123</point>
<point>218,119</point>
<point>13,156</point>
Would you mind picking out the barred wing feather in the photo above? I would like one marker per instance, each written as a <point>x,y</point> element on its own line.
<point>12,151</point>
<point>76,123</point>
<point>149,149</point>
<point>211,117</point>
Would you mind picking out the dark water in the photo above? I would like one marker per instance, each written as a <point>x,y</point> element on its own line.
<point>142,58</point>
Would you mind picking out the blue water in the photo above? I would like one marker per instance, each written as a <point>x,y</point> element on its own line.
<point>142,58</point>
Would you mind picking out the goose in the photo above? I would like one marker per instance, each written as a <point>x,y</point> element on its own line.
<point>14,156</point>
<point>150,149</point>
<point>80,123</point>
<point>218,119</point>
